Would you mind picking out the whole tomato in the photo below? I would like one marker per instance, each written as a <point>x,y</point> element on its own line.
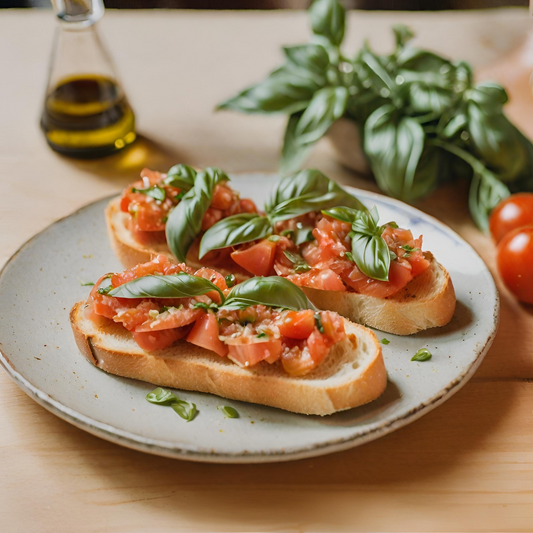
<point>511,213</point>
<point>515,262</point>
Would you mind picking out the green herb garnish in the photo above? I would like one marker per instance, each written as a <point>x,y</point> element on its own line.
<point>230,280</point>
<point>422,355</point>
<point>155,191</point>
<point>385,341</point>
<point>408,250</point>
<point>300,265</point>
<point>318,322</point>
<point>186,410</point>
<point>229,411</point>
<point>161,396</point>
<point>262,335</point>
<point>85,283</point>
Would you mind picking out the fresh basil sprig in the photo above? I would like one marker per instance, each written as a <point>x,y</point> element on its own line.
<point>184,223</point>
<point>155,191</point>
<point>180,285</point>
<point>369,250</point>
<point>304,192</point>
<point>181,176</point>
<point>414,110</point>
<point>300,265</point>
<point>272,291</point>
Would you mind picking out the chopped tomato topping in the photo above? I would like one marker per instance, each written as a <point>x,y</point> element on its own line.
<point>205,334</point>
<point>251,353</point>
<point>174,317</point>
<point>159,265</point>
<point>297,324</point>
<point>158,340</point>
<point>214,277</point>
<point>258,258</point>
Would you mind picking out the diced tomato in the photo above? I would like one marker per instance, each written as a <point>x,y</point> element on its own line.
<point>101,304</point>
<point>257,259</point>
<point>251,353</point>
<point>399,276</point>
<point>214,277</point>
<point>319,346</point>
<point>158,340</point>
<point>247,206</point>
<point>205,334</point>
<point>333,326</point>
<point>325,280</point>
<point>133,318</point>
<point>297,362</point>
<point>211,217</point>
<point>173,318</point>
<point>159,265</point>
<point>297,324</point>
<point>418,263</point>
<point>223,197</point>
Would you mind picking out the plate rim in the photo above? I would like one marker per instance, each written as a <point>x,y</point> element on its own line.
<point>173,450</point>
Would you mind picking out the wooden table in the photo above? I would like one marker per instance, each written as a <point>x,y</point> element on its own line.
<point>467,466</point>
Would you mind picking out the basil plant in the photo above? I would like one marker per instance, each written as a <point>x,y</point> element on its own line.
<point>420,116</point>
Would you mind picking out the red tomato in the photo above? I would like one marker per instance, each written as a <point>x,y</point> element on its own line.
<point>319,346</point>
<point>298,324</point>
<point>297,363</point>
<point>324,279</point>
<point>333,326</point>
<point>173,318</point>
<point>250,354</point>
<point>205,334</point>
<point>214,277</point>
<point>514,259</point>
<point>158,340</point>
<point>511,213</point>
<point>258,258</point>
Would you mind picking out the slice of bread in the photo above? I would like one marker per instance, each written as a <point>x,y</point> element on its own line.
<point>130,253</point>
<point>352,374</point>
<point>426,302</point>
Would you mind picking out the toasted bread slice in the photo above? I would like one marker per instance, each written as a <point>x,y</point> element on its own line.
<point>426,302</point>
<point>352,374</point>
<point>130,253</point>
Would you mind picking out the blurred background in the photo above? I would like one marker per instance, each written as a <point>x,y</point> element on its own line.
<point>416,5</point>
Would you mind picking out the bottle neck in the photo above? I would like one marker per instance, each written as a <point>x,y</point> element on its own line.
<point>79,13</point>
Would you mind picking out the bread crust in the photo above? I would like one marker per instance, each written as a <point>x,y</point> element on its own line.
<point>428,301</point>
<point>188,367</point>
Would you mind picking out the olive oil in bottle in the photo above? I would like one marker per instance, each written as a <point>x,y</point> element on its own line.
<point>87,116</point>
<point>85,113</point>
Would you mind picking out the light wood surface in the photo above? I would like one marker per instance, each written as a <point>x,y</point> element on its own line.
<point>467,466</point>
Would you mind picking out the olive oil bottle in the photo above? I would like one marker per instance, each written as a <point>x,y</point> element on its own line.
<point>85,113</point>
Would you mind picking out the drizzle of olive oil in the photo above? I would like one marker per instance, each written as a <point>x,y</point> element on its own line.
<point>87,116</point>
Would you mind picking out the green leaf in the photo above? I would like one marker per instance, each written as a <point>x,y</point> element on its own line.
<point>486,192</point>
<point>185,410</point>
<point>302,234</point>
<point>328,20</point>
<point>272,291</point>
<point>422,355</point>
<point>230,280</point>
<point>327,105</point>
<point>155,191</point>
<point>318,323</point>
<point>229,411</point>
<point>234,230</point>
<point>288,89</point>
<point>181,176</point>
<point>344,214</point>
<point>385,341</point>
<point>428,98</point>
<point>489,96</point>
<point>403,35</point>
<point>312,57</point>
<point>180,285</point>
<point>455,126</point>
<point>369,250</point>
<point>85,283</point>
<point>294,153</point>
<point>161,397</point>
<point>416,65</point>
<point>394,145</point>
<point>306,191</point>
<point>184,223</point>
<point>300,265</point>
<point>496,140</point>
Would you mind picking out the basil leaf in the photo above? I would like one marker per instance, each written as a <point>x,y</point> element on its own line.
<point>161,396</point>
<point>422,355</point>
<point>85,283</point>
<point>181,176</point>
<point>155,191</point>
<point>429,98</point>
<point>496,140</point>
<point>344,214</point>
<point>300,265</point>
<point>312,57</point>
<point>272,291</point>
<point>180,285</point>
<point>286,90</point>
<point>294,152</point>
<point>403,35</point>
<point>385,341</point>
<point>229,411</point>
<point>185,410</point>
<point>489,96</point>
<point>456,125</point>
<point>302,234</point>
<point>230,280</point>
<point>234,230</point>
<point>394,145</point>
<point>326,107</point>
<point>306,191</point>
<point>318,323</point>
<point>184,223</point>
<point>416,65</point>
<point>328,20</point>
<point>486,192</point>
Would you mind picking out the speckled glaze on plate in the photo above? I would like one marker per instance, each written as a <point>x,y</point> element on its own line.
<point>40,283</point>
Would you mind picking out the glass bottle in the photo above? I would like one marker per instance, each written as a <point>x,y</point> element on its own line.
<point>86,113</point>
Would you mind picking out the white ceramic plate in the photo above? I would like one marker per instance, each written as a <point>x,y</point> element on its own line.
<point>40,283</point>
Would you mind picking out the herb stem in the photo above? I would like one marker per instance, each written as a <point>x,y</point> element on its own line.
<point>476,165</point>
